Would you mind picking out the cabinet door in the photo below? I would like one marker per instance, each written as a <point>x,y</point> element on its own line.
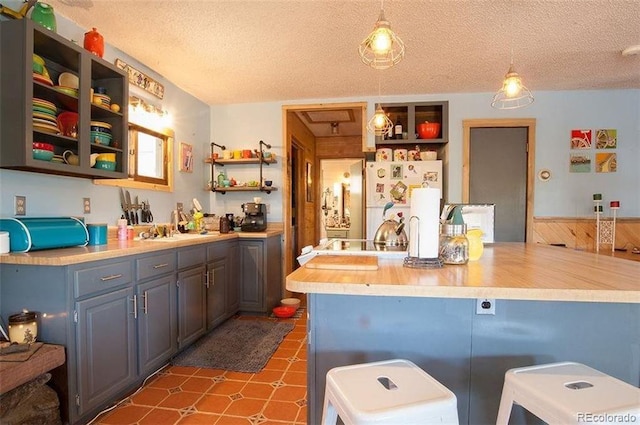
<point>106,347</point>
<point>233,283</point>
<point>157,323</point>
<point>191,305</point>
<point>216,288</point>
<point>251,276</point>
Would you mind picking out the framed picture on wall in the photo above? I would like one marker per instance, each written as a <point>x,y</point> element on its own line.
<point>186,158</point>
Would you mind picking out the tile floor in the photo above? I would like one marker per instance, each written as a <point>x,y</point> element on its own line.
<point>190,395</point>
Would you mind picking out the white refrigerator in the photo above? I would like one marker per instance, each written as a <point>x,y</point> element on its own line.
<point>388,181</point>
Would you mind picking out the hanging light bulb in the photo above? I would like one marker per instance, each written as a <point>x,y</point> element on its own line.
<point>379,124</point>
<point>513,94</point>
<point>382,48</point>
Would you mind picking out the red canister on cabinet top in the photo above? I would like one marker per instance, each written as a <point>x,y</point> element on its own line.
<point>94,42</point>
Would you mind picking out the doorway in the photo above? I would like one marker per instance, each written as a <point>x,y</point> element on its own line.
<point>348,120</point>
<point>498,164</point>
<point>340,210</point>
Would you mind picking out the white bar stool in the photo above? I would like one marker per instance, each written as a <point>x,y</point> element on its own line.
<point>569,393</point>
<point>387,392</point>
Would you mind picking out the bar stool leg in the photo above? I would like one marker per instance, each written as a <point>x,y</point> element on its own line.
<point>329,413</point>
<point>506,404</point>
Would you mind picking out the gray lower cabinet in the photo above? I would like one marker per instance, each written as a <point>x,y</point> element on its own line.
<point>191,294</point>
<point>260,274</point>
<point>106,347</point>
<point>223,291</point>
<point>156,310</point>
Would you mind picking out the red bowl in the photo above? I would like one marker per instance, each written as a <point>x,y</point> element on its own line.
<point>284,311</point>
<point>428,130</point>
<point>43,146</point>
<point>68,123</point>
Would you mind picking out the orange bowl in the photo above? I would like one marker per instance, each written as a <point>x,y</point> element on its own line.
<point>428,130</point>
<point>284,312</point>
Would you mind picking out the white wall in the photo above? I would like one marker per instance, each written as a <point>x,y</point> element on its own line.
<point>49,195</point>
<point>556,113</point>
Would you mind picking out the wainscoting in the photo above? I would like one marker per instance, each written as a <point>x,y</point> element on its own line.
<point>580,233</point>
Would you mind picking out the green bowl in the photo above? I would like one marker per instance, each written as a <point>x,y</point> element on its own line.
<point>100,138</point>
<point>105,165</point>
<point>43,155</point>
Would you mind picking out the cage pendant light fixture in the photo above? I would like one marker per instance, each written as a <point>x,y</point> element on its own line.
<point>379,124</point>
<point>513,94</point>
<point>382,48</point>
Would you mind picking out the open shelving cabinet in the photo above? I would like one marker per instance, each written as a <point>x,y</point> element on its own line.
<point>259,159</point>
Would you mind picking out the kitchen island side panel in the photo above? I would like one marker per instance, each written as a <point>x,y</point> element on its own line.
<point>434,333</point>
<point>469,353</point>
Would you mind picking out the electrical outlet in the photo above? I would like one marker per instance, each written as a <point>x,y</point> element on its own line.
<point>179,206</point>
<point>86,205</point>
<point>486,306</point>
<point>20,207</point>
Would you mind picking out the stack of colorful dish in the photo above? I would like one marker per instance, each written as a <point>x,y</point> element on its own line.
<point>106,161</point>
<point>44,116</point>
<point>101,133</point>
<point>102,100</point>
<point>40,73</point>
<point>42,151</point>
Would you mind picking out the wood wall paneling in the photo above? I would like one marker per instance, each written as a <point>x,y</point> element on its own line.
<point>580,233</point>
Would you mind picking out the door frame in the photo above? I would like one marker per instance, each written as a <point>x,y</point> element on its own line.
<point>530,125</point>
<point>286,186</point>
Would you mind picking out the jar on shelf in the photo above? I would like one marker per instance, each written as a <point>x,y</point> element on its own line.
<point>454,245</point>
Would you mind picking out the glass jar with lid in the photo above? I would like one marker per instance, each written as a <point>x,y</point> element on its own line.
<point>454,245</point>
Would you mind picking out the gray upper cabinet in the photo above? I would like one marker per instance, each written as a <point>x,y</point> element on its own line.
<point>412,114</point>
<point>25,94</point>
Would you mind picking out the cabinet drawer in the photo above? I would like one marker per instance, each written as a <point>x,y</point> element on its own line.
<point>219,250</point>
<point>95,279</point>
<point>190,257</point>
<point>343,234</point>
<point>155,265</point>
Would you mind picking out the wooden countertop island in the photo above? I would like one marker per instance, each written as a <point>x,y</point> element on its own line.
<point>505,271</point>
<point>551,304</point>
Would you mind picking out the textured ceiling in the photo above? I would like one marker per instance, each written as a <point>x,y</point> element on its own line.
<point>253,51</point>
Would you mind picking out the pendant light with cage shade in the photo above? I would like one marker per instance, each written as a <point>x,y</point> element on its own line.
<point>382,48</point>
<point>513,94</point>
<point>379,124</point>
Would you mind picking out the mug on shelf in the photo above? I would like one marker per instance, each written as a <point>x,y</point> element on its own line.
<point>237,154</point>
<point>70,157</point>
<point>246,153</point>
<point>226,154</point>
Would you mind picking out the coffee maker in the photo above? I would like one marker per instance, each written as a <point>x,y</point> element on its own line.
<point>255,217</point>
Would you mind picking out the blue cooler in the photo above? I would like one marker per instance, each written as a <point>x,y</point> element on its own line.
<point>31,234</point>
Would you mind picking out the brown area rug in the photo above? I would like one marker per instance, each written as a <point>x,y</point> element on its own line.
<point>238,344</point>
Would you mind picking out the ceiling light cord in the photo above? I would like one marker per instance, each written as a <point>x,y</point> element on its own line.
<point>513,94</point>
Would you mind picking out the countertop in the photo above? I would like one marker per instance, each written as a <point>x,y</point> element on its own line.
<point>115,248</point>
<point>505,271</point>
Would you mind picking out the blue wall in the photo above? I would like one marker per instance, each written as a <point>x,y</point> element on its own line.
<point>243,125</point>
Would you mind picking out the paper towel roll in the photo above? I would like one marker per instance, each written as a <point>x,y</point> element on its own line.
<point>424,223</point>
